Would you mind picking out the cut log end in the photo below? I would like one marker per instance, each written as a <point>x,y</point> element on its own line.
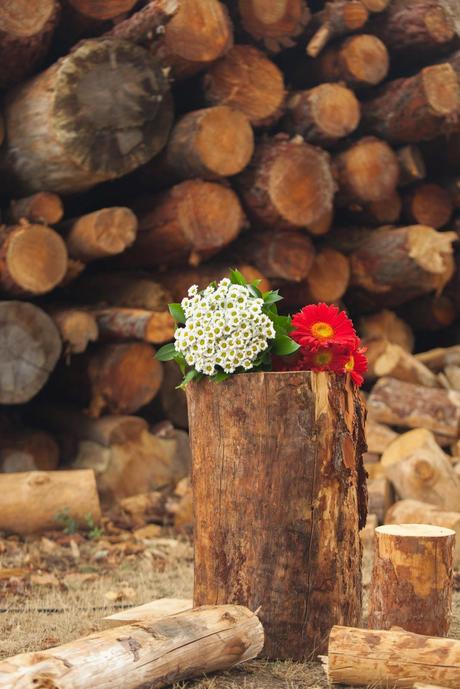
<point>329,276</point>
<point>429,204</point>
<point>272,22</point>
<point>104,233</point>
<point>102,10</point>
<point>368,170</point>
<point>414,531</point>
<point>441,89</point>
<point>44,208</point>
<point>18,20</point>
<point>366,59</point>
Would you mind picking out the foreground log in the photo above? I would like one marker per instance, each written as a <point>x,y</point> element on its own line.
<point>117,323</point>
<point>395,362</point>
<point>106,232</point>
<point>150,653</point>
<point>27,364</point>
<point>247,80</point>
<point>285,255</point>
<point>338,19</point>
<point>77,328</point>
<point>44,208</point>
<point>26,449</point>
<point>325,571</point>
<point>275,24</point>
<point>358,61</point>
<point>428,204</point>
<point>162,607</point>
<point>65,134</point>
<point>412,579</point>
<point>381,659</point>
<point>31,502</point>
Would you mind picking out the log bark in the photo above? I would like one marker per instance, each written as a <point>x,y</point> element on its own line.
<point>412,166</point>
<point>26,449</point>
<point>117,323</point>
<point>33,259</point>
<point>286,255</point>
<point>327,281</point>
<point>76,327</point>
<point>154,652</point>
<point>430,313</point>
<point>338,18</point>
<point>385,325</point>
<point>31,501</point>
<point>417,512</point>
<point>395,362</point>
<point>25,36</point>
<point>29,349</point>
<point>318,578</point>
<point>415,108</point>
<point>396,265</point>
<point>247,80</point>
<point>428,204</point>
<point>210,143</point>
<point>128,290</point>
<point>366,171</point>
<point>43,208</point>
<point>412,579</point>
<point>413,406</point>
<point>190,222</point>
<point>104,233</point>
<point>359,61</point>
<point>276,25</point>
<point>420,470</point>
<point>288,184</point>
<point>66,134</point>
<point>362,657</point>
<point>178,281</point>
<point>322,115</point>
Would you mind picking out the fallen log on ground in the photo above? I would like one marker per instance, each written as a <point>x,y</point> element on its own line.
<point>162,607</point>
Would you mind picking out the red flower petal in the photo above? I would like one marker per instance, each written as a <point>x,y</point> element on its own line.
<point>320,325</point>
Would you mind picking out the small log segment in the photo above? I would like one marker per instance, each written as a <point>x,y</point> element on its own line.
<point>420,470</point>
<point>428,204</point>
<point>382,659</point>
<point>322,115</point>
<point>431,312</point>
<point>366,171</point>
<point>66,134</point>
<point>413,406</point>
<point>118,323</point>
<point>359,61</point>
<point>395,362</point>
<point>412,579</point>
<point>245,79</point>
<point>386,325</point>
<point>305,579</point>
<point>327,281</point>
<point>288,184</point>
<point>76,327</point>
<point>396,265</point>
<point>106,232</point>
<point>186,224</point>
<point>210,143</point>
<point>339,18</point>
<point>31,501</point>
<point>128,290</point>
<point>43,208</point>
<point>26,32</point>
<point>415,108</point>
<point>33,259</point>
<point>152,652</point>
<point>26,449</point>
<point>274,24</point>
<point>25,368</point>
<point>412,166</point>
<point>285,255</point>
<point>417,512</point>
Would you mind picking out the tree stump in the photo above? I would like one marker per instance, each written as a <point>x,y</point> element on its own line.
<point>279,504</point>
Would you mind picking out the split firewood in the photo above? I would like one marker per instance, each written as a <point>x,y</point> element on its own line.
<point>289,184</point>
<point>118,323</point>
<point>395,362</point>
<point>413,406</point>
<point>416,108</point>
<point>412,579</point>
<point>412,166</point>
<point>439,358</point>
<point>420,470</point>
<point>327,281</point>
<point>430,312</point>
<point>123,289</point>
<point>43,208</point>
<point>285,255</point>
<point>26,32</point>
<point>86,134</point>
<point>379,213</point>
<point>150,653</point>
<point>274,24</point>
<point>76,327</point>
<point>26,366</point>
<point>396,265</point>
<point>178,281</point>
<point>188,223</point>
<point>380,492</point>
<point>359,61</point>
<point>416,512</point>
<point>428,204</point>
<point>366,171</point>
<point>247,80</point>
<point>173,401</point>
<point>386,325</point>
<point>26,449</point>
<point>339,18</point>
<point>34,501</point>
<point>33,259</point>
<point>322,115</point>
<point>149,612</point>
<point>381,659</point>
<point>378,436</point>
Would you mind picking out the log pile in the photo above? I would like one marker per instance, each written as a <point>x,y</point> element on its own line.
<point>146,146</point>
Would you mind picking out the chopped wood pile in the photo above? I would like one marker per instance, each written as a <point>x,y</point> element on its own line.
<point>146,146</point>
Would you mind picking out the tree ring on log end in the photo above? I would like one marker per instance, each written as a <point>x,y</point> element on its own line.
<point>198,32</point>
<point>36,258</point>
<point>415,530</point>
<point>441,88</point>
<point>336,108</point>
<point>366,58</point>
<point>225,141</point>
<point>17,19</point>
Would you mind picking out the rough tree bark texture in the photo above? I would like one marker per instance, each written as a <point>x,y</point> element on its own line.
<point>278,508</point>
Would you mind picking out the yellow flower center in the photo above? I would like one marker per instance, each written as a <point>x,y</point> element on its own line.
<point>322,330</point>
<point>322,358</point>
<point>349,366</point>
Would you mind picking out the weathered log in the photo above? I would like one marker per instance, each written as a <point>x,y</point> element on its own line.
<point>149,612</point>
<point>379,213</point>
<point>385,325</point>
<point>359,61</point>
<point>33,501</point>
<point>327,281</point>
<point>289,184</point>
<point>66,134</point>
<point>178,281</point>
<point>154,652</point>
<point>396,362</point>
<point>412,166</point>
<point>76,327</point>
<point>378,436</point>
<point>247,80</point>
<point>323,114</point>
<point>428,204</point>
<point>431,312</point>
<point>26,449</point>
<point>285,255</point>
<point>210,143</point>
<point>129,290</point>
<point>33,259</point>
<point>363,657</point>
<point>366,171</point>
<point>26,31</point>
<point>188,223</point>
<point>339,18</point>
<point>413,406</point>
<point>231,477</point>
<point>118,323</point>
<point>274,24</point>
<point>29,349</point>
<point>106,232</point>
<point>43,208</point>
<point>415,108</point>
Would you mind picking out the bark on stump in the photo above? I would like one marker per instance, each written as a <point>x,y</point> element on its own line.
<point>278,509</point>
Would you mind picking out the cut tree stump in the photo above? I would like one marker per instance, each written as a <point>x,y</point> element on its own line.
<point>275,553</point>
<point>412,579</point>
<point>153,653</point>
<point>163,607</point>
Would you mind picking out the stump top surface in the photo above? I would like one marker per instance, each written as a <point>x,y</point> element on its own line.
<point>414,531</point>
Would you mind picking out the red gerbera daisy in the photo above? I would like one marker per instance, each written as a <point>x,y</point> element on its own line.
<point>320,325</point>
<point>322,359</point>
<point>356,365</point>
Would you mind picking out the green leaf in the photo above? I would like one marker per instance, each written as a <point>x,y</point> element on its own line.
<point>237,278</point>
<point>283,346</point>
<point>271,297</point>
<point>220,376</point>
<point>180,361</point>
<point>254,291</point>
<point>166,353</point>
<point>191,375</point>
<point>177,312</point>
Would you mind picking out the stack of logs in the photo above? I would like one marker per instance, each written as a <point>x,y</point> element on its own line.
<point>147,146</point>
